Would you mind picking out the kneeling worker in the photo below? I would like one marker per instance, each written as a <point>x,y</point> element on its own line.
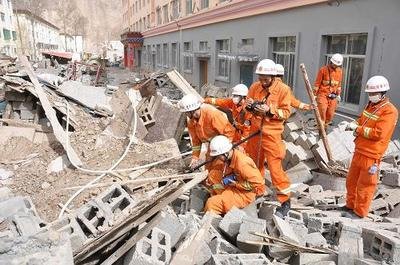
<point>242,181</point>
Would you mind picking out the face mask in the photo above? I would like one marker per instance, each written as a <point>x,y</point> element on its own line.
<point>375,98</point>
<point>236,100</point>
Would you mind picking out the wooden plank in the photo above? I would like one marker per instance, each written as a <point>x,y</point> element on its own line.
<point>180,82</point>
<point>134,239</point>
<point>50,113</point>
<point>135,220</point>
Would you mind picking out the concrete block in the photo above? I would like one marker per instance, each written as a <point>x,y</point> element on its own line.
<point>300,230</point>
<point>69,225</point>
<point>292,137</point>
<point>328,182</point>
<point>342,146</point>
<point>27,224</point>
<point>15,205</point>
<point>395,213</point>
<point>290,127</point>
<point>366,261</point>
<point>315,189</point>
<point>153,249</point>
<point>350,243</point>
<point>231,222</point>
<point>279,228</point>
<point>266,211</point>
<point>251,210</point>
<point>386,246</point>
<point>219,245</point>
<point>301,155</point>
<point>309,258</point>
<point>315,240</point>
<point>294,216</point>
<point>92,219</point>
<point>307,214</point>
<point>171,225</point>
<point>300,173</point>
<point>301,140</point>
<point>379,207</point>
<point>198,198</point>
<point>322,225</point>
<point>240,259</point>
<point>249,225</point>
<point>391,178</point>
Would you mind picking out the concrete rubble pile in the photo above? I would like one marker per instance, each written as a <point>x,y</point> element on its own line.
<point>148,212</point>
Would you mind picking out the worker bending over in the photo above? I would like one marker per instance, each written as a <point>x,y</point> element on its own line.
<point>294,103</point>
<point>269,101</point>
<point>242,180</point>
<point>373,131</point>
<point>327,88</point>
<point>236,105</point>
<point>205,122</point>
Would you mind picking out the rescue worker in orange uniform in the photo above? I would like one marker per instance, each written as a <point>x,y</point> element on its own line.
<point>327,88</point>
<point>373,131</point>
<point>295,103</point>
<point>205,122</point>
<point>236,105</point>
<point>269,101</point>
<point>242,180</point>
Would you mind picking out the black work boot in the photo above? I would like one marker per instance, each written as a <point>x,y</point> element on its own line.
<point>283,210</point>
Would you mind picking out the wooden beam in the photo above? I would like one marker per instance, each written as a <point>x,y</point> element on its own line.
<point>50,112</point>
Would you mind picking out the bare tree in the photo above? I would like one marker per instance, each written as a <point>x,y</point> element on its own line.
<point>66,10</point>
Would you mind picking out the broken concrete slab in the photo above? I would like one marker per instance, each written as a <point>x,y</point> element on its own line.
<point>329,181</point>
<point>247,227</point>
<point>300,173</point>
<point>350,243</point>
<point>315,240</point>
<point>230,224</point>
<point>58,164</point>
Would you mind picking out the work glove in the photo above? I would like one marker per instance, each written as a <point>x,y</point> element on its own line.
<point>332,96</point>
<point>229,180</point>
<point>262,109</point>
<point>343,125</point>
<point>352,126</point>
<point>338,98</point>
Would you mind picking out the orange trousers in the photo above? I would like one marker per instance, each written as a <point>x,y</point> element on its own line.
<point>229,197</point>
<point>360,184</point>
<point>326,107</point>
<point>273,150</point>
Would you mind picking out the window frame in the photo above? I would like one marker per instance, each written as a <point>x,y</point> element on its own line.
<point>188,55</point>
<point>290,69</point>
<point>221,58</point>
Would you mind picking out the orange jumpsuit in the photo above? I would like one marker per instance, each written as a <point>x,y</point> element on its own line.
<point>328,81</point>
<point>211,123</point>
<point>294,103</point>
<point>249,184</point>
<point>269,144</point>
<point>375,128</point>
<point>240,115</point>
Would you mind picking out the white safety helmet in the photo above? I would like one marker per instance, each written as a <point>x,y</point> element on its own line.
<point>279,69</point>
<point>266,67</point>
<point>219,145</point>
<point>240,90</point>
<point>337,59</point>
<point>377,83</point>
<point>189,102</point>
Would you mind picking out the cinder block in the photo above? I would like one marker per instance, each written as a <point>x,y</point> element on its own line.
<point>350,244</point>
<point>92,219</point>
<point>391,178</point>
<point>300,230</point>
<point>309,258</point>
<point>300,173</point>
<point>315,240</point>
<point>386,246</point>
<point>231,222</point>
<point>153,249</point>
<point>323,225</point>
<point>379,207</point>
<point>218,245</point>
<point>328,182</point>
<point>290,127</point>
<point>266,211</point>
<point>240,259</point>
<point>307,214</point>
<point>198,198</point>
<point>16,205</point>
<point>69,225</point>
<point>251,210</point>
<point>294,216</point>
<point>292,137</point>
<point>249,225</point>
<point>27,224</point>
<point>301,141</point>
<point>171,225</point>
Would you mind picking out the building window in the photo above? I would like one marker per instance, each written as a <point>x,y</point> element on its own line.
<point>204,4</point>
<point>223,62</point>
<point>284,53</point>
<point>158,58</point>
<point>353,48</point>
<point>187,57</point>
<point>165,54</point>
<point>158,16</point>
<point>166,16</point>
<point>3,17</point>
<point>7,34</point>
<point>174,54</point>
<point>188,7</point>
<point>148,21</point>
<point>175,9</point>
<point>203,46</point>
<point>14,34</point>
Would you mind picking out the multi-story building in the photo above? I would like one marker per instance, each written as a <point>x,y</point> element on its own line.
<point>8,35</point>
<point>35,34</point>
<point>66,42</point>
<point>220,42</point>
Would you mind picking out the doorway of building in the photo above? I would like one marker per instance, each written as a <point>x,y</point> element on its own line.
<point>139,59</point>
<point>153,62</point>
<point>203,72</point>
<point>246,74</point>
